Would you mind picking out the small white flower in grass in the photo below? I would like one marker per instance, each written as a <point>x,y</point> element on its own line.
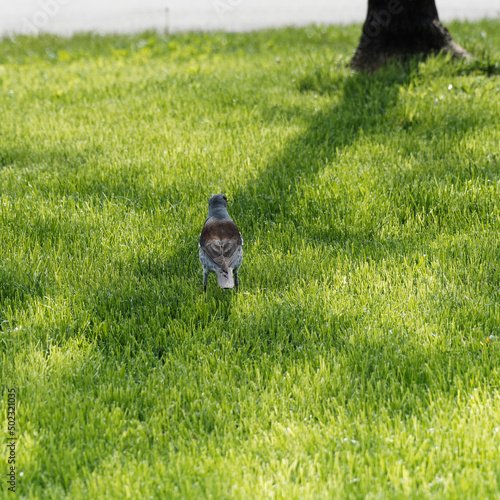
<point>21,474</point>
<point>450,86</point>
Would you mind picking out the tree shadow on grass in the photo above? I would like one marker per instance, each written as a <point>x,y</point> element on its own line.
<point>363,110</point>
<point>363,102</point>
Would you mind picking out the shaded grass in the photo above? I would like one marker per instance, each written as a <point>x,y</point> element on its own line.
<point>361,356</point>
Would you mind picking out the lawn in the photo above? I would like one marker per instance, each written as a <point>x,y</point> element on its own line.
<point>361,356</point>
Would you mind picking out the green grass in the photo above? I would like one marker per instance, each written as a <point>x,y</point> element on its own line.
<point>361,357</point>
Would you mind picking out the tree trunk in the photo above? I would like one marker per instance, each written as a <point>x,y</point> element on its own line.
<point>401,29</point>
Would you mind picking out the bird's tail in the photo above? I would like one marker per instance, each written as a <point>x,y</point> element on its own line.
<point>225,278</point>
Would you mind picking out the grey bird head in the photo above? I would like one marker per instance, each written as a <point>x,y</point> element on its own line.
<point>217,207</point>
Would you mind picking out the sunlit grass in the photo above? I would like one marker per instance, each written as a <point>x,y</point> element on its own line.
<point>360,357</point>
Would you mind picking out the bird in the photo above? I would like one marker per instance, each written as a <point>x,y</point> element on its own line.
<point>221,244</point>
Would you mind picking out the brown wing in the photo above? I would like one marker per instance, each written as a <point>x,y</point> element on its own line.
<point>220,240</point>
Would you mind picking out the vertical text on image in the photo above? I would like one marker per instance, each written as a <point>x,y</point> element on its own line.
<point>11,439</point>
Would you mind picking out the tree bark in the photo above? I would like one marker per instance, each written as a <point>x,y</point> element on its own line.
<point>401,29</point>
